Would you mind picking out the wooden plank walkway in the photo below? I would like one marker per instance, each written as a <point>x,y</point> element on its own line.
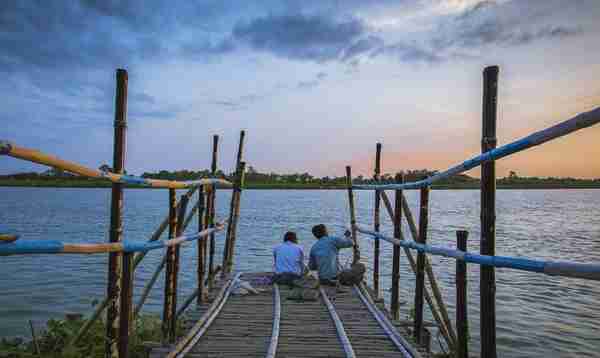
<point>244,326</point>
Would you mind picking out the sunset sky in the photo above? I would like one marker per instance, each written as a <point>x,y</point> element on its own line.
<point>314,83</point>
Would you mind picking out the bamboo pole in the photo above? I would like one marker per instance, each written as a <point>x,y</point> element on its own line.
<point>413,266</point>
<point>235,198</point>
<point>201,269</point>
<point>126,313</point>
<point>355,247</point>
<point>112,344</point>
<point>377,222</point>
<point>149,285</point>
<point>137,260</point>
<point>159,268</point>
<point>237,191</point>
<point>420,275</point>
<point>435,289</point>
<point>211,222</point>
<point>395,305</point>
<point>462,322</point>
<point>488,214</point>
<point>170,288</point>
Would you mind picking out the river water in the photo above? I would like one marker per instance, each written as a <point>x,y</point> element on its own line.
<point>537,315</point>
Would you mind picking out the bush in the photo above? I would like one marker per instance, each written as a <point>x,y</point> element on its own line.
<point>54,338</point>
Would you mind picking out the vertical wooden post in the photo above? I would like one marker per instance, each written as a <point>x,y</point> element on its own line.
<point>239,185</point>
<point>170,273</point>
<point>201,250</point>
<point>395,303</point>
<point>462,323</point>
<point>488,214</point>
<point>231,224</point>
<point>211,218</point>
<point>116,219</point>
<point>355,248</point>
<point>376,221</point>
<point>420,274</point>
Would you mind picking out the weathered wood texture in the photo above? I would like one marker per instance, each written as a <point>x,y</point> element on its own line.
<point>376,221</point>
<point>114,345</point>
<point>245,325</point>
<point>488,214</point>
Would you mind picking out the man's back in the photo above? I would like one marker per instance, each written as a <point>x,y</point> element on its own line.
<point>289,258</point>
<point>323,256</point>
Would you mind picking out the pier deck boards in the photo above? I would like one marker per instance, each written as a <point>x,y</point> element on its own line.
<point>243,328</point>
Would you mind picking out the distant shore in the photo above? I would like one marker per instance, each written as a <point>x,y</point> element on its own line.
<point>289,186</point>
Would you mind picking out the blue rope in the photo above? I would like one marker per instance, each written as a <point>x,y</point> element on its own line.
<point>552,268</point>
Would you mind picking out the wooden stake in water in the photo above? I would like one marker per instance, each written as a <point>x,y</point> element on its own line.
<point>237,191</point>
<point>395,303</point>
<point>355,247</point>
<point>201,270</point>
<point>170,275</point>
<point>420,274</point>
<point>233,206</point>
<point>112,346</point>
<point>211,221</point>
<point>376,221</point>
<point>462,322</point>
<point>488,214</point>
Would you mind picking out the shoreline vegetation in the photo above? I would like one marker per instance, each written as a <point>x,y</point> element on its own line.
<point>52,341</point>
<point>54,178</point>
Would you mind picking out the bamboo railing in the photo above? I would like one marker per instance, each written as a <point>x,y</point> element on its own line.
<point>458,342</point>
<point>125,255</point>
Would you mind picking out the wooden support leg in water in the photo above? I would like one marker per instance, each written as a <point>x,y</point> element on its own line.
<point>211,221</point>
<point>437,294</point>
<point>462,322</point>
<point>488,214</point>
<point>239,185</point>
<point>355,248</point>
<point>233,211</point>
<point>420,281</point>
<point>376,222</point>
<point>136,261</point>
<point>395,303</point>
<point>447,333</point>
<point>169,306</point>
<point>201,269</point>
<point>114,345</point>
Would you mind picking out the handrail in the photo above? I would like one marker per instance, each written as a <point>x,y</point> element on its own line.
<point>35,156</point>
<point>58,247</point>
<point>551,268</point>
<point>580,121</point>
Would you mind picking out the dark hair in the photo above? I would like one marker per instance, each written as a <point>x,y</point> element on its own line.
<point>290,236</point>
<point>319,231</point>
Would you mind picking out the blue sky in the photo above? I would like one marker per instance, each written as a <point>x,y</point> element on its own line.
<point>314,83</point>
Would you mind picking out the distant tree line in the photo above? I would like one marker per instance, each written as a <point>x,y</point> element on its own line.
<point>253,176</point>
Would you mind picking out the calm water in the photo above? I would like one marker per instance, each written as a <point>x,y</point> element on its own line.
<point>537,315</point>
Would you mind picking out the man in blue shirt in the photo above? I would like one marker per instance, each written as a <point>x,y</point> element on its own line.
<point>288,260</point>
<point>324,254</point>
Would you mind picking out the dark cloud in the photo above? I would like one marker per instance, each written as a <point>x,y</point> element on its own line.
<point>410,53</point>
<point>489,23</point>
<point>316,38</point>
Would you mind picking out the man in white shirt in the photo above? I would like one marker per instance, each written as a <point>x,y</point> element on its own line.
<point>288,260</point>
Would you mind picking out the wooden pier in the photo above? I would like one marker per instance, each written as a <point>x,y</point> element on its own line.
<point>244,326</point>
<point>333,323</point>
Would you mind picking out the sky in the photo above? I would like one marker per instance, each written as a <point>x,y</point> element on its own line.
<point>315,84</point>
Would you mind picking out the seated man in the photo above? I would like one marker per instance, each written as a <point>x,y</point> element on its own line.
<point>288,260</point>
<point>324,254</point>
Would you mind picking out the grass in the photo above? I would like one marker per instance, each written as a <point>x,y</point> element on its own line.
<point>52,341</point>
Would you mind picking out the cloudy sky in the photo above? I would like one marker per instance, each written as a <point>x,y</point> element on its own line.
<point>315,83</point>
